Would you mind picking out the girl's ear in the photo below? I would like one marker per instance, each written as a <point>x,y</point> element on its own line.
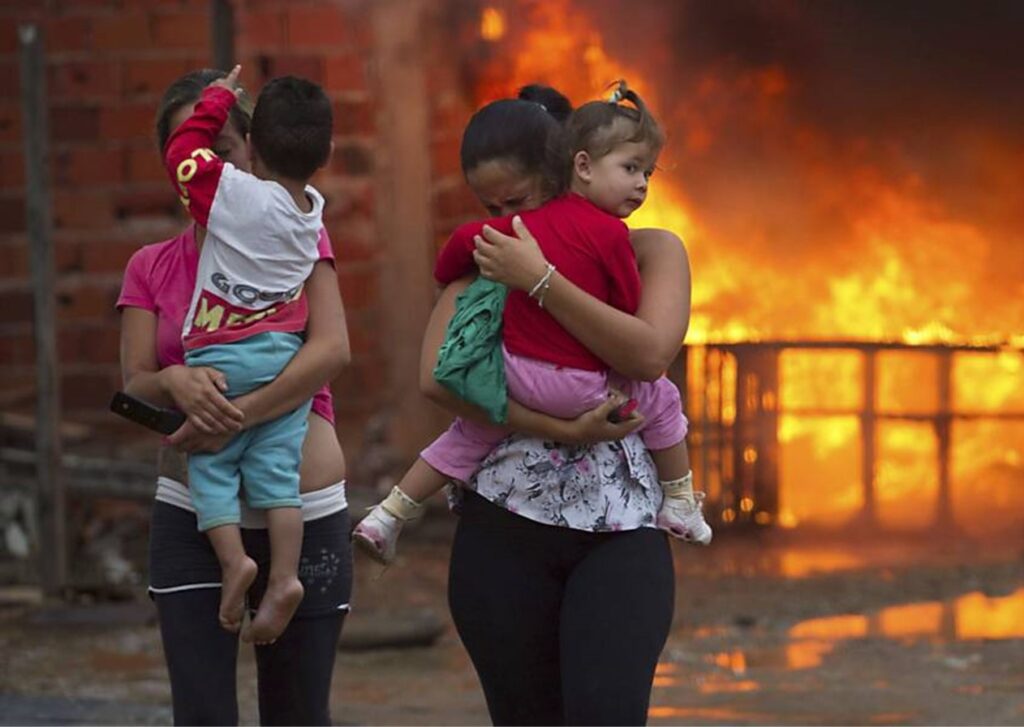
<point>581,166</point>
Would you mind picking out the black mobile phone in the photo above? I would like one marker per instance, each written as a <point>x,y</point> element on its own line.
<point>623,412</point>
<point>164,421</point>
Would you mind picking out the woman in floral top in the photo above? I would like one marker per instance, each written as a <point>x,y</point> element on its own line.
<point>560,586</point>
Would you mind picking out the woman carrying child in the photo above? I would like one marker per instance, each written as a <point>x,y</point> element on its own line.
<point>494,343</point>
<point>294,673</point>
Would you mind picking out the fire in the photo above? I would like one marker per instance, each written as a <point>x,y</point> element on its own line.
<point>800,231</point>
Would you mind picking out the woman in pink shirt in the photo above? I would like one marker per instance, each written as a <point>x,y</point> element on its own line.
<point>294,673</point>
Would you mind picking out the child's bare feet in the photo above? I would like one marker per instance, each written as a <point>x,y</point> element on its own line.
<point>275,611</point>
<point>235,581</point>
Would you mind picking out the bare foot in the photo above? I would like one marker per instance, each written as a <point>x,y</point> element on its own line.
<point>235,581</point>
<point>275,611</point>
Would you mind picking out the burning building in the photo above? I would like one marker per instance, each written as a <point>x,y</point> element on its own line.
<point>846,177</point>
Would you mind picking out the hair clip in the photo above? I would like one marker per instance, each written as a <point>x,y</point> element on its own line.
<point>616,95</point>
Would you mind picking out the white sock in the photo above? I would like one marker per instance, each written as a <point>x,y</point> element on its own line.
<point>401,506</point>
<point>681,489</point>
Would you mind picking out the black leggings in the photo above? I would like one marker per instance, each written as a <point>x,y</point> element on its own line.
<point>563,626</point>
<point>294,673</point>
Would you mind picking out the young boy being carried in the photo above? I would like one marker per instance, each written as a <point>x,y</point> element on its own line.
<point>246,320</point>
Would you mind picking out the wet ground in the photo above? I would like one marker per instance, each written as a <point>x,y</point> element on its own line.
<point>770,628</point>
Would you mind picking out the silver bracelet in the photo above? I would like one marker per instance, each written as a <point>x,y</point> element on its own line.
<point>543,284</point>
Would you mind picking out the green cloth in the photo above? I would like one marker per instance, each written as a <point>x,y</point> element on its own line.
<point>470,362</point>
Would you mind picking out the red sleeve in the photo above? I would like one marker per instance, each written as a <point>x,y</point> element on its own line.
<point>195,170</point>
<point>456,257</point>
<point>623,272</point>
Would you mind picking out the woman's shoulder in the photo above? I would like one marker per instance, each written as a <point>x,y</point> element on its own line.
<point>653,243</point>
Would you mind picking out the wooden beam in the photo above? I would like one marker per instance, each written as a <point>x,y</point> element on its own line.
<point>222,34</point>
<point>50,490</point>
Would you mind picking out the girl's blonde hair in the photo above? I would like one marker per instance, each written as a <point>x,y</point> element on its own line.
<point>598,127</point>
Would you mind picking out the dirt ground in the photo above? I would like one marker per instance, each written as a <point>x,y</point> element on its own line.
<point>770,628</point>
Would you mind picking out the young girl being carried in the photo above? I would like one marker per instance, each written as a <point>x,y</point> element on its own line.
<point>502,344</point>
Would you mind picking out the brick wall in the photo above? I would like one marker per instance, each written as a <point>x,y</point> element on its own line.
<point>108,61</point>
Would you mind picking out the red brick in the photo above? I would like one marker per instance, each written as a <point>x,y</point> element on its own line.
<point>85,302</point>
<point>354,117</point>
<point>14,260</point>
<point>323,24</point>
<point>304,66</point>
<point>351,159</point>
<point>88,390</point>
<point>10,122</point>
<point>125,31</point>
<point>12,170</point>
<point>445,157</point>
<point>17,349</point>
<point>105,256</point>
<point>15,305</point>
<point>181,30</point>
<point>89,344</point>
<point>455,202</point>
<point>152,76</point>
<point>128,121</point>
<point>81,209</point>
<point>359,286</point>
<point>10,83</point>
<point>261,28</point>
<point>345,72</point>
<point>87,165</point>
<point>144,165</point>
<point>12,214</point>
<point>67,257</point>
<point>148,202</point>
<point>68,34</point>
<point>75,123</point>
<point>78,79</point>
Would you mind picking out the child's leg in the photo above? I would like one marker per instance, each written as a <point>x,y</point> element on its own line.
<point>456,454</point>
<point>238,571</point>
<point>664,433</point>
<point>284,590</point>
<point>270,478</point>
<point>213,485</point>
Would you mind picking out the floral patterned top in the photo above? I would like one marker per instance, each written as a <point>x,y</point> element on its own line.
<point>602,487</point>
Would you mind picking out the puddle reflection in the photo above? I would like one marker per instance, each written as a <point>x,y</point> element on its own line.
<point>970,617</point>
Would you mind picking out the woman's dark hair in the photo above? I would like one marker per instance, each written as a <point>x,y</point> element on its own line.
<point>527,131</point>
<point>186,91</point>
<point>292,127</point>
<point>598,127</point>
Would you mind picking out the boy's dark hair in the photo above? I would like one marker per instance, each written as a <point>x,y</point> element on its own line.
<point>527,131</point>
<point>598,127</point>
<point>186,91</point>
<point>292,127</point>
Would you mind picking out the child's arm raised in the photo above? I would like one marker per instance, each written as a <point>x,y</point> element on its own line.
<point>194,169</point>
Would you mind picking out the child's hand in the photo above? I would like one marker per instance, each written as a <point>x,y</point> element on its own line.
<point>593,426</point>
<point>230,81</point>
<point>515,261</point>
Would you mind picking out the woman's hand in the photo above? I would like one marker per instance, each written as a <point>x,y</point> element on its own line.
<point>190,440</point>
<point>198,392</point>
<point>515,261</point>
<point>593,426</point>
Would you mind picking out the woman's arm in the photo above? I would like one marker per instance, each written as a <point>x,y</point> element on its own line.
<point>198,392</point>
<point>638,347</point>
<point>319,360</point>
<point>590,426</point>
